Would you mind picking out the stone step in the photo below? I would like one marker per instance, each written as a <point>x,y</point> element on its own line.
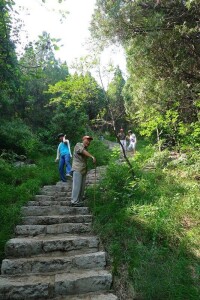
<point>54,255</point>
<point>50,198</point>
<point>57,188</point>
<point>89,296</point>
<point>56,194</point>
<point>46,287</point>
<point>26,247</point>
<point>48,220</point>
<point>47,264</point>
<point>83,282</point>
<point>54,210</point>
<point>33,230</point>
<point>64,185</point>
<point>43,197</point>
<point>49,203</point>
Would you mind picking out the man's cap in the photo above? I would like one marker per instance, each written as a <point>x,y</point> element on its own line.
<point>60,134</point>
<point>87,137</point>
<point>121,129</point>
<point>129,131</point>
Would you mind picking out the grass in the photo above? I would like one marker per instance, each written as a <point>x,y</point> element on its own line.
<point>18,185</point>
<point>150,226</point>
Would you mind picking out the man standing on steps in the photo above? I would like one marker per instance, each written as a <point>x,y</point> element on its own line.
<point>63,156</point>
<point>79,168</point>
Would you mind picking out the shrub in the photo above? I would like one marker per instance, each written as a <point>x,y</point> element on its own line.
<point>17,136</point>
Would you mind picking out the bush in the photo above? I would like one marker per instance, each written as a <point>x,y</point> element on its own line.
<point>100,151</point>
<point>17,136</point>
<point>18,185</point>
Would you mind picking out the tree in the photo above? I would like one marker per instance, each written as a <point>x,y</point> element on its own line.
<point>161,40</point>
<point>81,91</point>
<point>9,73</point>
<point>116,100</point>
<point>39,68</point>
<point>76,102</point>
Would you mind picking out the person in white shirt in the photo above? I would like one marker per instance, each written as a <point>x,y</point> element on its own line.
<point>132,141</point>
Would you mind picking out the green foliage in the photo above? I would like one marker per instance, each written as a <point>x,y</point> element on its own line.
<point>189,135</point>
<point>9,72</point>
<point>109,136</point>
<point>79,91</point>
<point>17,136</point>
<point>116,100</point>
<point>159,159</point>
<point>70,120</point>
<point>39,68</point>
<point>17,186</point>
<point>162,45</point>
<point>150,225</point>
<point>101,153</point>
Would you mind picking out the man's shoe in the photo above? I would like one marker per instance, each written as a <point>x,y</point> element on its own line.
<point>78,204</point>
<point>68,175</point>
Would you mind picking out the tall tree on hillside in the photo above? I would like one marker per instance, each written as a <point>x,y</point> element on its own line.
<point>9,73</point>
<point>116,100</point>
<point>39,68</point>
<point>161,39</point>
<point>78,93</point>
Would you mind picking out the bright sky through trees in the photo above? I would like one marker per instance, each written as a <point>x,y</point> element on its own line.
<point>73,30</point>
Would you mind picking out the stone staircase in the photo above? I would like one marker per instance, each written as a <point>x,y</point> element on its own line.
<point>54,254</point>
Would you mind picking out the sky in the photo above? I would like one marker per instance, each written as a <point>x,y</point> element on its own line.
<point>73,31</point>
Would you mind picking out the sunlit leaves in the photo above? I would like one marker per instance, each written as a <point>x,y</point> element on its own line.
<point>116,100</point>
<point>79,91</point>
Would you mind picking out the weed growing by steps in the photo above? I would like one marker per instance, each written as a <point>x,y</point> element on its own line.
<point>18,185</point>
<point>150,225</point>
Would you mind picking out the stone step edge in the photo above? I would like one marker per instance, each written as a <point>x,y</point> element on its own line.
<point>36,287</point>
<point>26,247</point>
<point>56,219</point>
<point>35,229</point>
<point>48,202</point>
<point>47,197</point>
<point>89,296</point>
<point>53,210</point>
<point>49,207</point>
<point>29,264</point>
<point>58,216</point>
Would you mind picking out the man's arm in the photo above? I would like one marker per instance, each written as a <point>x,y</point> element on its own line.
<point>86,153</point>
<point>66,141</point>
<point>69,148</point>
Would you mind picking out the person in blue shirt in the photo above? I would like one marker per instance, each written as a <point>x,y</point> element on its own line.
<point>63,156</point>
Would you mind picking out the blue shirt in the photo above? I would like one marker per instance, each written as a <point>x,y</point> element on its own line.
<point>63,149</point>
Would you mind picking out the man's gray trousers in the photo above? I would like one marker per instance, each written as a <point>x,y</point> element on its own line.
<point>78,187</point>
